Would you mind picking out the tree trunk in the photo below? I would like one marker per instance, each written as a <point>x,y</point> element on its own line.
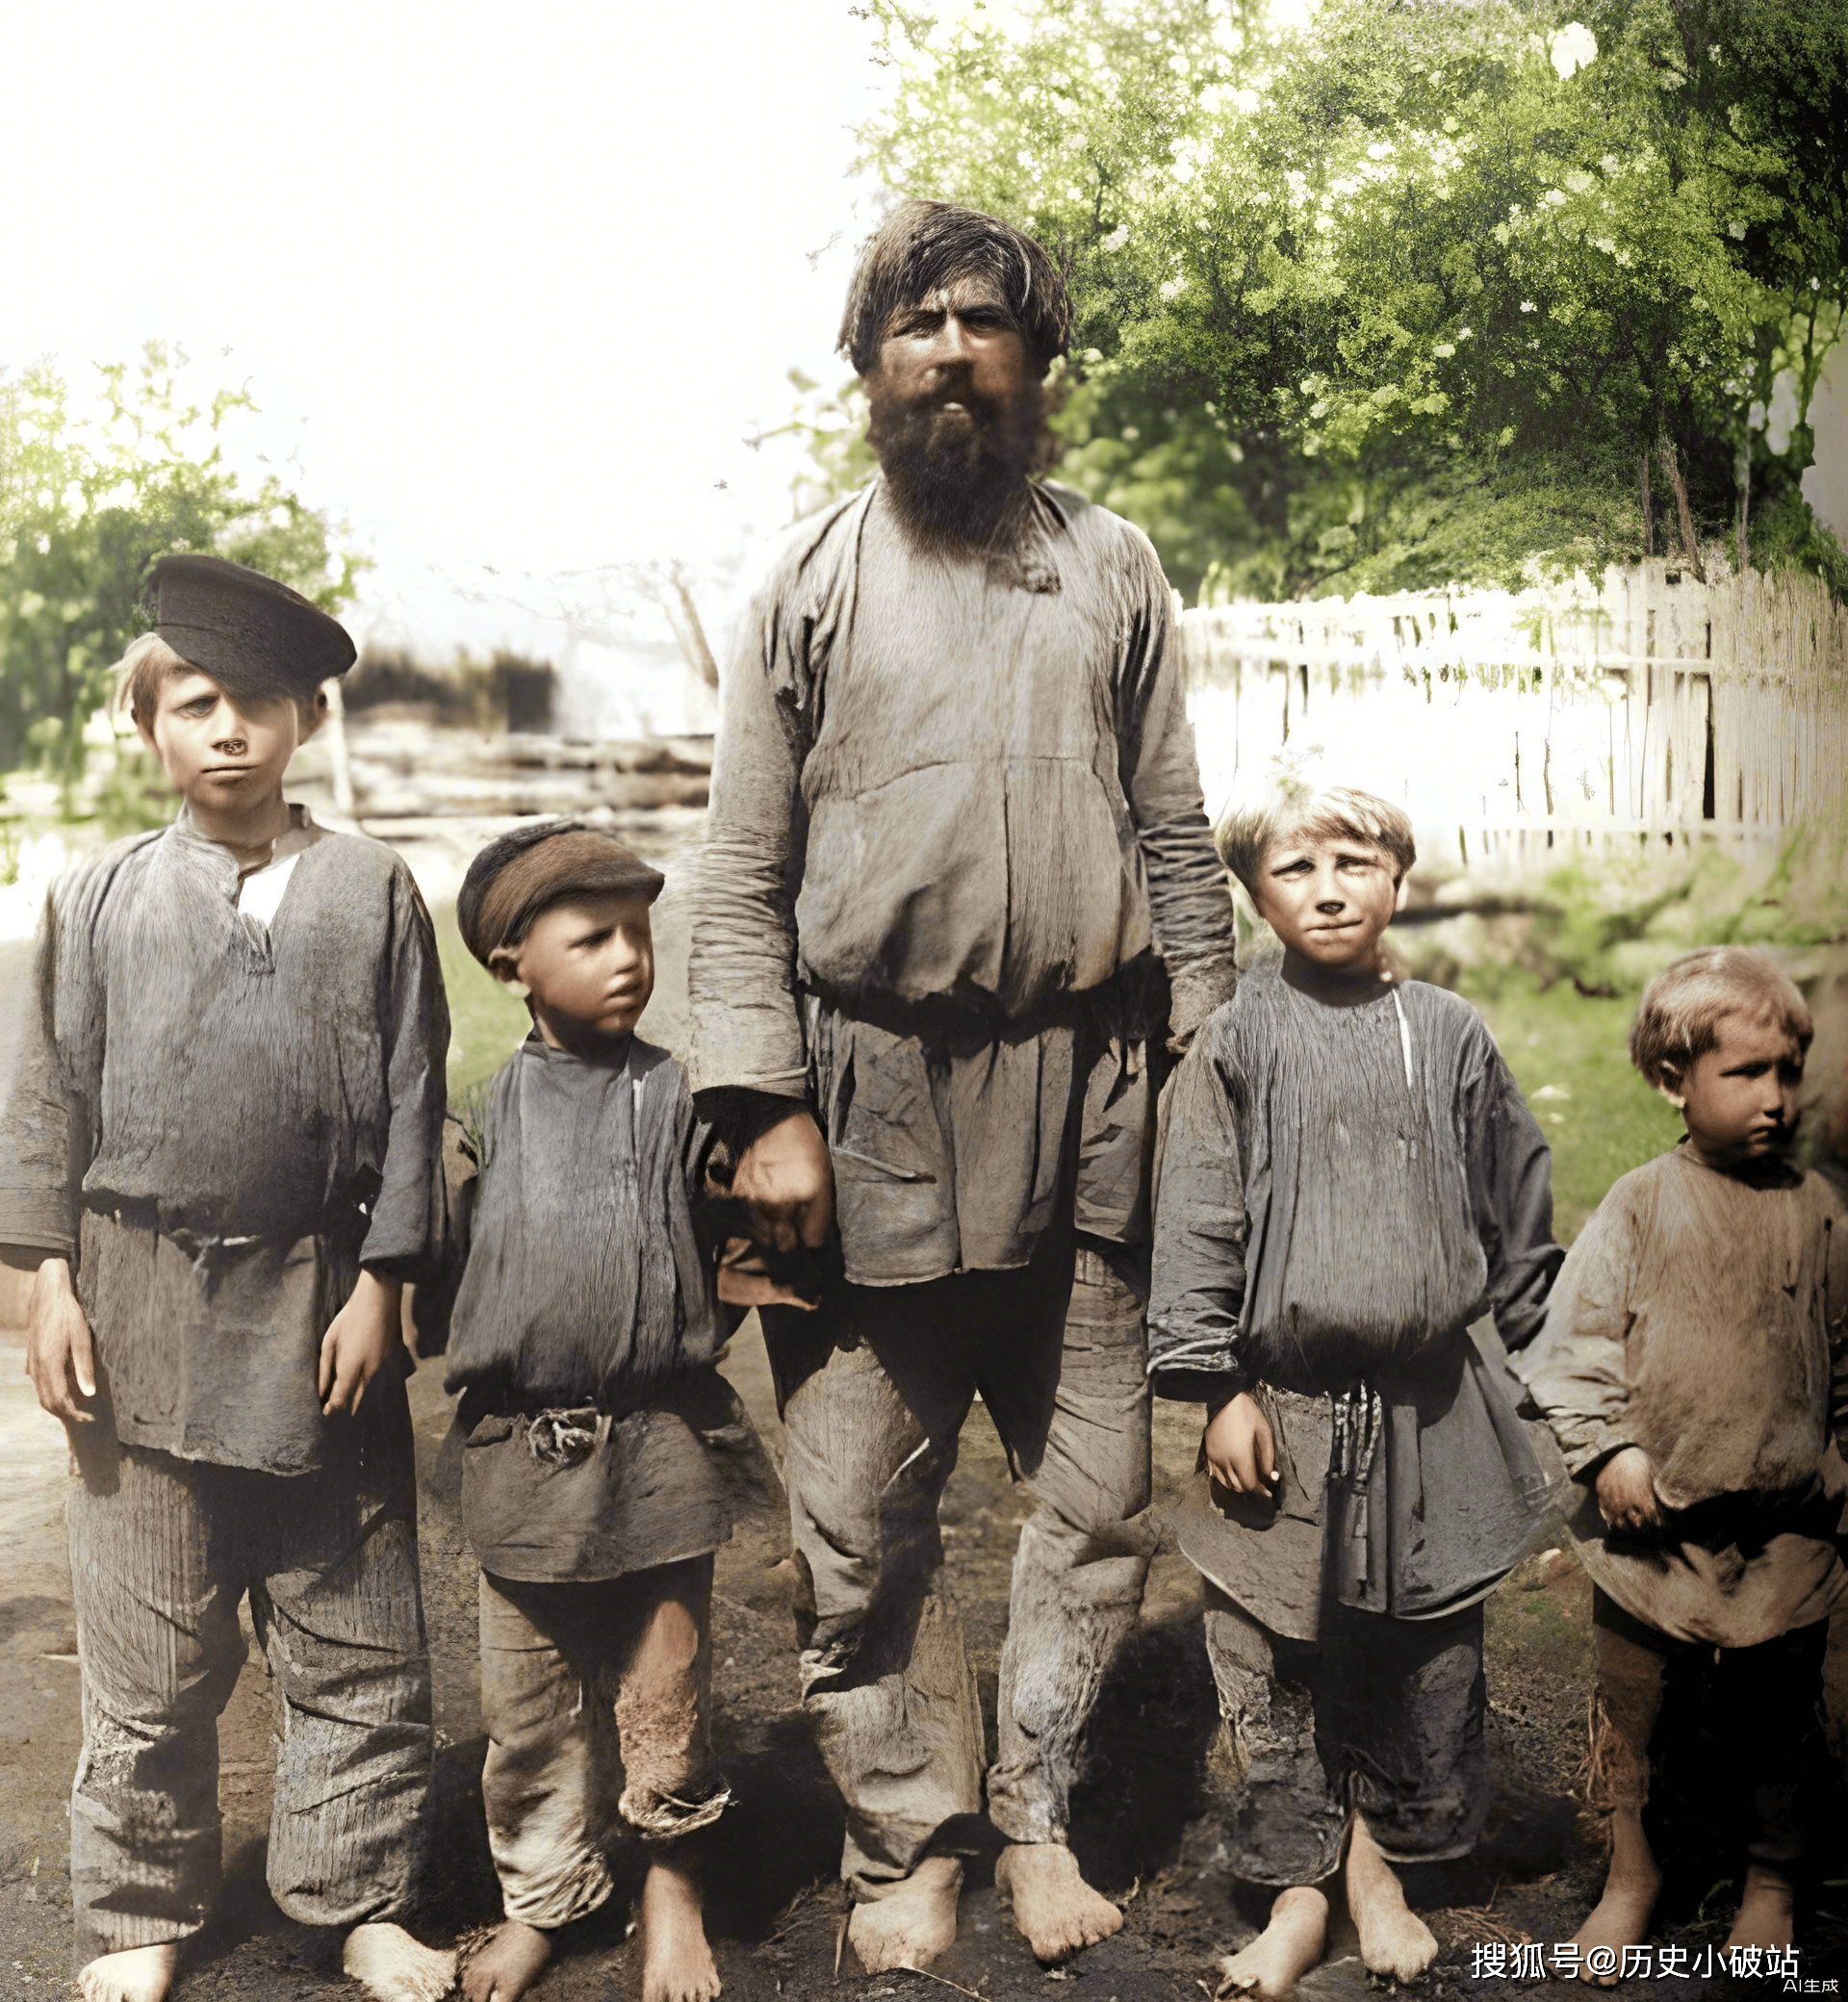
<point>1685,513</point>
<point>689,631</point>
<point>1742,472</point>
<point>1649,512</point>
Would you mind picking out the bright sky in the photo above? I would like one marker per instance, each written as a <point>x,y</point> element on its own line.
<point>512,283</point>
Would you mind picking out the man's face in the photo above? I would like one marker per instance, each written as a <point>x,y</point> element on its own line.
<point>956,406</point>
<point>1328,898</point>
<point>220,750</point>
<point>588,962</point>
<point>1740,1098</point>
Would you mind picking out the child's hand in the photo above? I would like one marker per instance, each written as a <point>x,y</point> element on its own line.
<point>57,1347</point>
<point>1626,1487</point>
<point>355,1347</point>
<point>1241,1453</point>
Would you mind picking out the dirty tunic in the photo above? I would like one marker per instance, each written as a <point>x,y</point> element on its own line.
<point>1703,1316</point>
<point>221,1113</point>
<point>600,1438</point>
<point>957,871</point>
<point>1343,1193</point>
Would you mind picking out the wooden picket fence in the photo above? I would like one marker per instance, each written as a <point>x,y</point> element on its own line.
<point>1646,708</point>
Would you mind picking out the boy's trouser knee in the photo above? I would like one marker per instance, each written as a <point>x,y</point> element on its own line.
<point>559,1747</point>
<point>162,1552</point>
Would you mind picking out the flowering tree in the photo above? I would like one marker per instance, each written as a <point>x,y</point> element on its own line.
<point>1422,291</point>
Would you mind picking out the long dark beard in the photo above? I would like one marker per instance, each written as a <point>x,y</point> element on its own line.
<point>955,473</point>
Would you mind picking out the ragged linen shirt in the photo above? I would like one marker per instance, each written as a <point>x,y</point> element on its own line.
<point>221,1117</point>
<point>1342,1193</point>
<point>1703,1316</point>
<point>597,1436</point>
<point>956,824</point>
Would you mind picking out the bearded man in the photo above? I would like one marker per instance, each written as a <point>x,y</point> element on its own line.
<point>959,902</point>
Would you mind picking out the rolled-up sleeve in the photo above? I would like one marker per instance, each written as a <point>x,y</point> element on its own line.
<point>1201,1227</point>
<point>1189,899</point>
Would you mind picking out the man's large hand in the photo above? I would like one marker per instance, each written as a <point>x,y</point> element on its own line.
<point>789,1181</point>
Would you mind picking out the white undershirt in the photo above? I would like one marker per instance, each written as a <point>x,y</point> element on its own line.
<point>260,891</point>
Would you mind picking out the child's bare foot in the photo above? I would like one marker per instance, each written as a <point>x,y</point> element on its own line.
<point>507,1964</point>
<point>1394,1941</point>
<point>391,1966</point>
<point>1619,1919</point>
<point>913,1923</point>
<point>1764,1911</point>
<point>677,1963</point>
<point>1053,1905</point>
<point>138,1974</point>
<point>1283,1953</point>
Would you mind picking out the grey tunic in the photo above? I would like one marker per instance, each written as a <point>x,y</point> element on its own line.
<point>586,1287</point>
<point>1342,1193</point>
<point>1700,1316</point>
<point>220,1121</point>
<point>956,806</point>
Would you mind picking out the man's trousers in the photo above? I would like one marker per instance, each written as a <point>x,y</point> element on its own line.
<point>162,1550</point>
<point>874,1388</point>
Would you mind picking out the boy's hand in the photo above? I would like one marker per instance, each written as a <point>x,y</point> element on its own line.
<point>357,1344</point>
<point>1241,1453</point>
<point>1625,1488</point>
<point>58,1348</point>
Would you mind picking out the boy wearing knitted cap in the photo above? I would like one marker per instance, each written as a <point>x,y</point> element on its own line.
<point>1694,1366</point>
<point>601,1449</point>
<point>222,1158</point>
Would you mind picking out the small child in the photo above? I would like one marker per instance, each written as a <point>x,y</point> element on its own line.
<point>601,1447</point>
<point>221,1156</point>
<point>1686,1366</point>
<point>1348,1179</point>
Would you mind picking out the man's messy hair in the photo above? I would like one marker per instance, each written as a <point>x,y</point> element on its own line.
<point>150,663</point>
<point>1678,1017</point>
<point>1248,829</point>
<point>923,245</point>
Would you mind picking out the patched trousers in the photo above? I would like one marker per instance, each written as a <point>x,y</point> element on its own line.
<point>1379,1717</point>
<point>162,1550</point>
<point>874,1388</point>
<point>596,1696</point>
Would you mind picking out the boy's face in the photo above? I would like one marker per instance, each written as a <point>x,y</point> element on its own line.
<point>1740,1098</point>
<point>588,962</point>
<point>220,751</point>
<point>1327,898</point>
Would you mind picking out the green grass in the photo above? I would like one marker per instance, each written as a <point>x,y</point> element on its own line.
<point>1568,1056</point>
<point>486,1022</point>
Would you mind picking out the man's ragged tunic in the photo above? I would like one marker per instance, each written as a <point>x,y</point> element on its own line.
<point>1700,1316</point>
<point>221,1117</point>
<point>955,837</point>
<point>600,1438</point>
<point>1342,1191</point>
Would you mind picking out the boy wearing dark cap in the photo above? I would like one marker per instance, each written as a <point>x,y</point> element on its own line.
<point>222,1158</point>
<point>595,1476</point>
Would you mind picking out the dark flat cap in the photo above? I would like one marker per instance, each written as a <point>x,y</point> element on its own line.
<point>520,873</point>
<point>243,627</point>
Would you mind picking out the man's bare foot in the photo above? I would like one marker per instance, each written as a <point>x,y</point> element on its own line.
<point>1764,1911</point>
<point>1619,1919</point>
<point>677,1963</point>
<point>1394,1941</point>
<point>137,1974</point>
<point>507,1963</point>
<point>1283,1953</point>
<point>1053,1905</point>
<point>391,1966</point>
<point>913,1922</point>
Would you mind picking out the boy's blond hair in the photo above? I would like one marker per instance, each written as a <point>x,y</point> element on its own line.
<point>1248,829</point>
<point>1678,1017</point>
<point>150,663</point>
